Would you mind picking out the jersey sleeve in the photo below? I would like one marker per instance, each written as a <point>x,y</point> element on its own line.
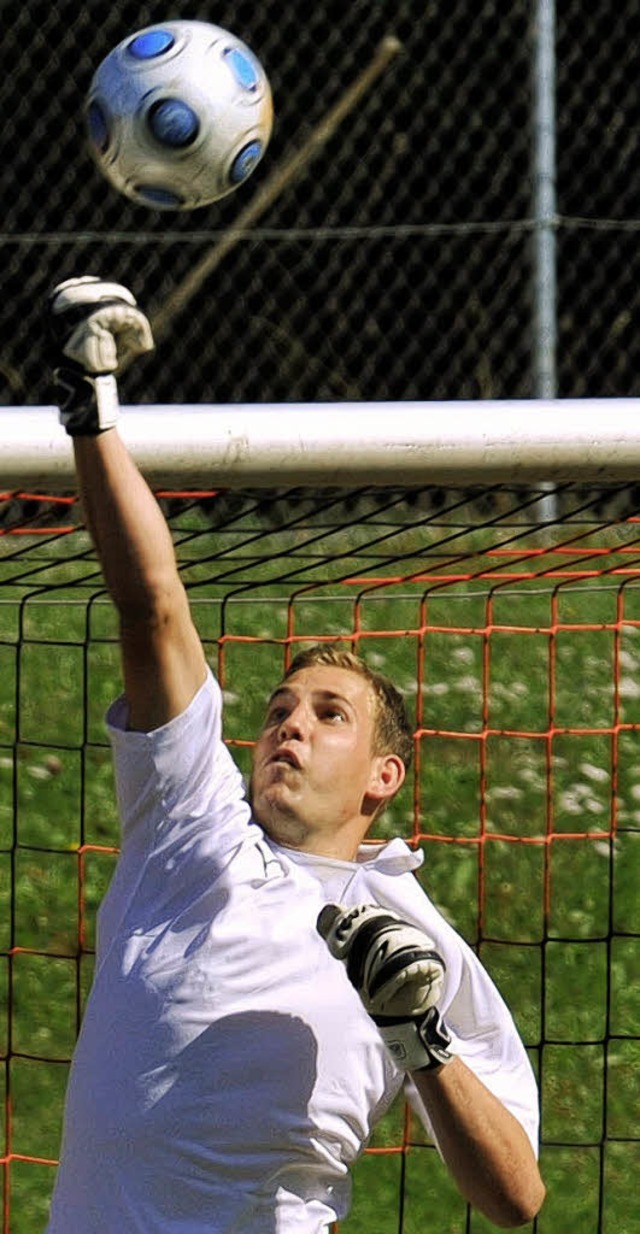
<point>178,774</point>
<point>183,813</point>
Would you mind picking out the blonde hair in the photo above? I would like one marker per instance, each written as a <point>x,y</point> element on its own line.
<point>393,732</point>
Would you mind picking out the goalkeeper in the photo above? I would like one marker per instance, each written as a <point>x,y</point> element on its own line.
<point>265,984</point>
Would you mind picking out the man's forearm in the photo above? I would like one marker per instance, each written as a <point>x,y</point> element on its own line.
<point>128,528</point>
<point>484,1146</point>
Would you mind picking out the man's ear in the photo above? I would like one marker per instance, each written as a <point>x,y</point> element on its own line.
<point>387,776</point>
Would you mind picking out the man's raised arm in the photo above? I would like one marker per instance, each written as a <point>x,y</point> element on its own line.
<point>96,324</point>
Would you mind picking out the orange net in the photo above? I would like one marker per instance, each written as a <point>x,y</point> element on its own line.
<point>515,637</point>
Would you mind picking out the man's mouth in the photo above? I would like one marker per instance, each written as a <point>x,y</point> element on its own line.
<point>286,757</point>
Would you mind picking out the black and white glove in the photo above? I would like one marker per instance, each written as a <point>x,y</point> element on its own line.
<point>95,327</point>
<point>399,976</point>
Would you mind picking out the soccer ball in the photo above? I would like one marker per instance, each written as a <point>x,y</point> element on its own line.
<point>179,114</point>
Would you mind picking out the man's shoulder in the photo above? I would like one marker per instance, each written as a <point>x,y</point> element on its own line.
<point>207,700</point>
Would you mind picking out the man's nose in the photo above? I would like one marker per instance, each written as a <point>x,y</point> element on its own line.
<point>293,725</point>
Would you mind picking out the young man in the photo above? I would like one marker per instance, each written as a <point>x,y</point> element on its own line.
<point>264,983</point>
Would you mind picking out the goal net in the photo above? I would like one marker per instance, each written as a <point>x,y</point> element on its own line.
<point>509,615</point>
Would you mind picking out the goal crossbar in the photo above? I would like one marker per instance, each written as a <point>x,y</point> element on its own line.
<point>344,444</point>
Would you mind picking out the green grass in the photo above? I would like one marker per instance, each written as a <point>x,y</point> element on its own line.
<point>557,924</point>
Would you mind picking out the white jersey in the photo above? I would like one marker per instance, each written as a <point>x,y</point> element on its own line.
<point>226,1075</point>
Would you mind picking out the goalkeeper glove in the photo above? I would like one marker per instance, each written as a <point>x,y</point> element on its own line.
<point>95,326</point>
<point>399,977</point>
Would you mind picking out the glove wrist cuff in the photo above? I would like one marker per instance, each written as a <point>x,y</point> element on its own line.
<point>89,404</point>
<point>421,1044</point>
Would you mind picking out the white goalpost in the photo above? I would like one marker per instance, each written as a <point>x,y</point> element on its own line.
<point>413,443</point>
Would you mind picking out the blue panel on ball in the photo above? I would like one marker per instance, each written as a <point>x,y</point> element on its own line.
<point>243,68</point>
<point>151,43</point>
<point>164,199</point>
<point>173,123</point>
<point>98,126</point>
<point>244,162</point>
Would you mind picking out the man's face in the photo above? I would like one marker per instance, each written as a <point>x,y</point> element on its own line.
<point>314,771</point>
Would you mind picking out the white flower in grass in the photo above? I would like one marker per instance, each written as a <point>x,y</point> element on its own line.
<point>629,687</point>
<point>533,777</point>
<point>510,690</point>
<point>505,792</point>
<point>579,799</point>
<point>604,848</point>
<point>436,688</point>
<point>38,773</point>
<point>463,655</point>
<point>570,802</point>
<point>467,685</point>
<point>593,772</point>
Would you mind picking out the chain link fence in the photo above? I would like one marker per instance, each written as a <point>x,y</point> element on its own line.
<point>399,263</point>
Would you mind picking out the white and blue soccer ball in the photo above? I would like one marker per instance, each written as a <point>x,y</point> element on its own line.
<point>179,114</point>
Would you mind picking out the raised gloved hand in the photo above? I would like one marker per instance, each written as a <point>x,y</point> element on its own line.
<point>95,326</point>
<point>399,976</point>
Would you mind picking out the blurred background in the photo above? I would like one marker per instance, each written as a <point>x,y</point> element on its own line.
<point>404,262</point>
